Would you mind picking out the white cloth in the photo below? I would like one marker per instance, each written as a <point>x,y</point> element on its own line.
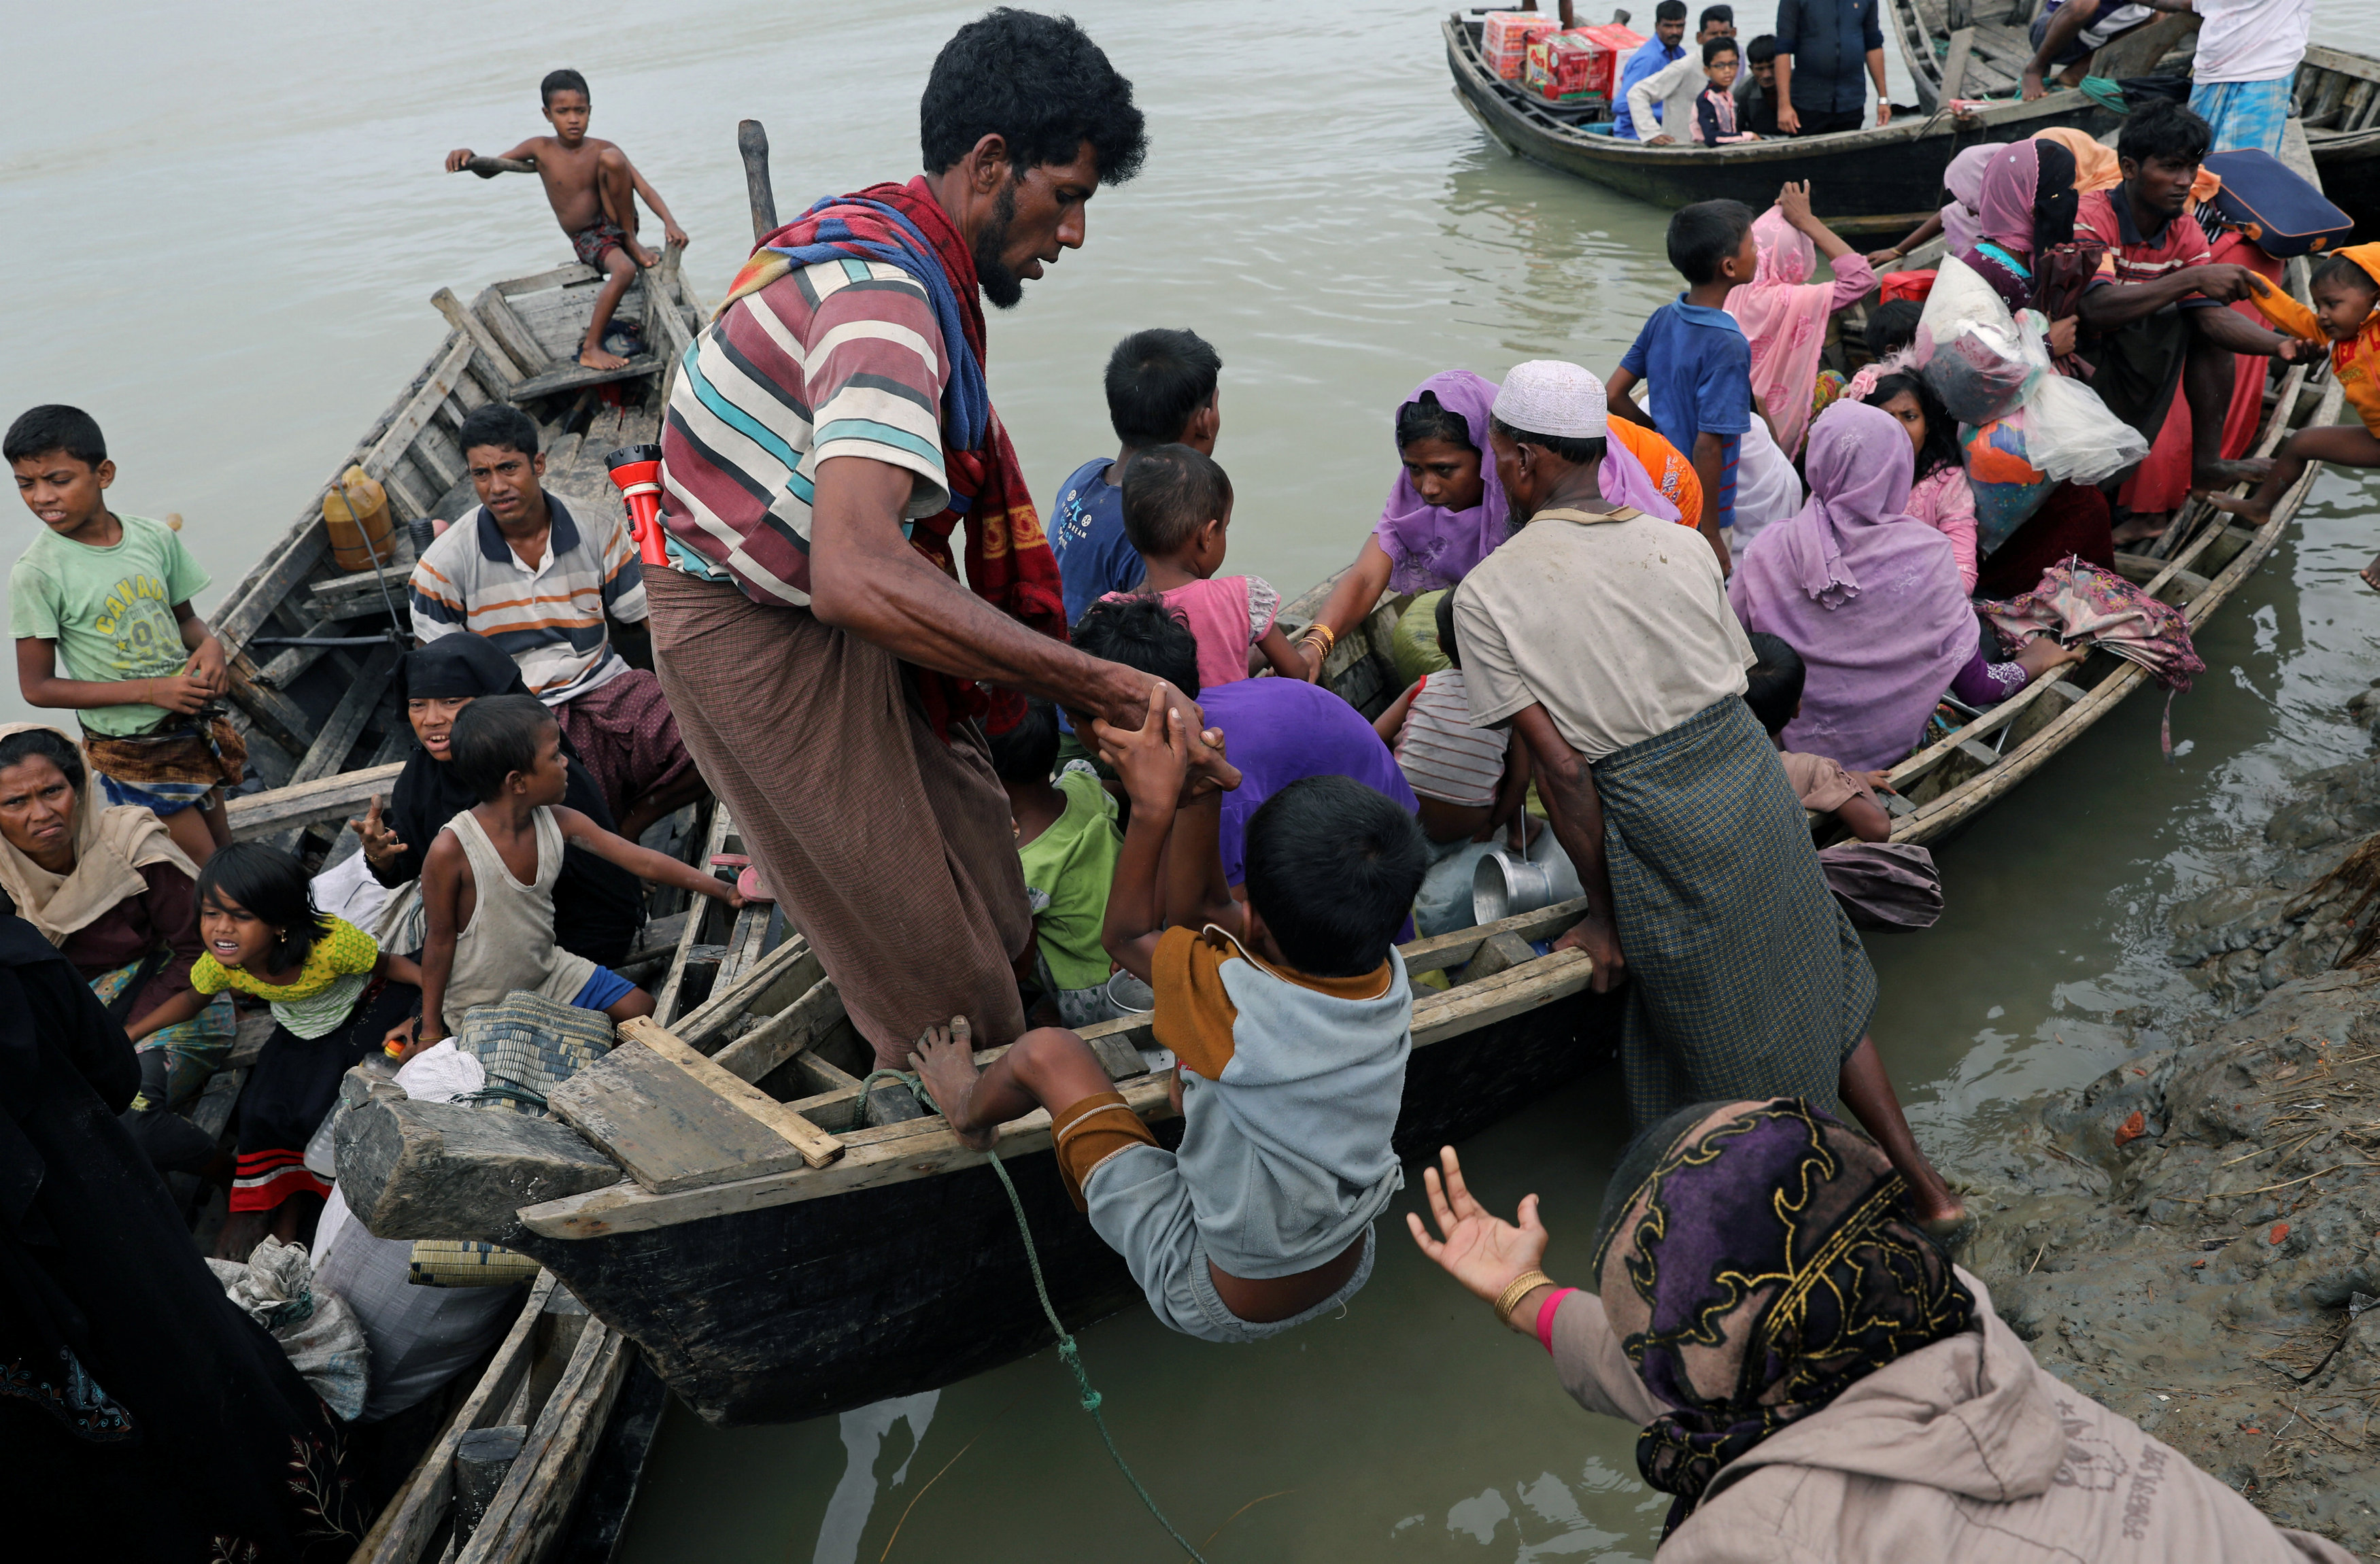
<point>347,889</point>
<point>1619,627</point>
<point>1766,488</point>
<point>1547,396</point>
<point>1674,88</point>
<point>2249,40</point>
<point>440,1073</point>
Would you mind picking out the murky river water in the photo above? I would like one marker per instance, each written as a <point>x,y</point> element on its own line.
<point>222,241</point>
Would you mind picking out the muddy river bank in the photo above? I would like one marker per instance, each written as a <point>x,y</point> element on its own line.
<point>2194,1237</point>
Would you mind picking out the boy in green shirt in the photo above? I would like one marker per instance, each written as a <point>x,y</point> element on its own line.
<point>101,609</point>
<point>1066,835</point>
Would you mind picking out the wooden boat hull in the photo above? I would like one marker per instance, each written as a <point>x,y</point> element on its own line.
<point>797,1310</point>
<point>1885,174</point>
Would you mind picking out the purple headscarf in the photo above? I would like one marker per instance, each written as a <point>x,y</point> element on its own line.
<point>1964,180</point>
<point>1431,546</point>
<point>1867,594</point>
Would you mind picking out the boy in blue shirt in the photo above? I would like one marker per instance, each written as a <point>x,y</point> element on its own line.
<point>1697,359</point>
<point>1161,391</point>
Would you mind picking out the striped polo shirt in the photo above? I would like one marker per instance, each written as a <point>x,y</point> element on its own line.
<point>842,359</point>
<point>1442,755</point>
<point>548,620</point>
<point>2134,257</point>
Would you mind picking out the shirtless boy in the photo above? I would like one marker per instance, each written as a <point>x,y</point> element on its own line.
<point>593,188</point>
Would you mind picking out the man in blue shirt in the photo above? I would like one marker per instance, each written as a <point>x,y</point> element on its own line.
<point>1161,390</point>
<point>1820,47</point>
<point>1665,45</point>
<point>1696,358</point>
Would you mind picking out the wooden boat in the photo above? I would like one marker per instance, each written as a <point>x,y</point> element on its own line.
<point>890,1263</point>
<point>1962,48</point>
<point>1882,180</point>
<point>313,648</point>
<point>2196,566</point>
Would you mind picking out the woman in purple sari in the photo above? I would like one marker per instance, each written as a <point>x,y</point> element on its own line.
<point>1870,596</point>
<point>1445,513</point>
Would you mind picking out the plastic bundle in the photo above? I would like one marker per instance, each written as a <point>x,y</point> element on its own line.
<point>321,1336</point>
<point>2007,486</point>
<point>2070,434</point>
<point>1984,361</point>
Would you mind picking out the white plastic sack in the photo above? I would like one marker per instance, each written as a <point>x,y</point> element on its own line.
<point>442,1073</point>
<point>347,889</point>
<point>1981,362</point>
<point>2070,434</point>
<point>321,1336</point>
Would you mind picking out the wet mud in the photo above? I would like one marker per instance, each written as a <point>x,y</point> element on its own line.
<point>2194,1237</point>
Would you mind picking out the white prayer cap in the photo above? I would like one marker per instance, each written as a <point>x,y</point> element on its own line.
<point>1547,396</point>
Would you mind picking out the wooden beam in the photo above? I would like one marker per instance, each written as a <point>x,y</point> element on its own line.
<point>519,342</point>
<point>347,719</point>
<point>791,964</point>
<point>672,1130</point>
<point>345,597</point>
<point>1954,64</point>
<point>799,1026</point>
<point>571,377</point>
<point>529,1511</point>
<point>818,1147</point>
<point>339,798</point>
<point>500,368</point>
<point>445,373</point>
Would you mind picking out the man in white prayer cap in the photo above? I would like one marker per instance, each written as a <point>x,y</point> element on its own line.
<point>1602,635</point>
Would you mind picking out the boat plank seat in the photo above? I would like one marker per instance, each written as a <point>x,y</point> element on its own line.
<point>676,1120</point>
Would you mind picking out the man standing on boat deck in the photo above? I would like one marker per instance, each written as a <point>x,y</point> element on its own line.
<point>828,436</point>
<point>1821,45</point>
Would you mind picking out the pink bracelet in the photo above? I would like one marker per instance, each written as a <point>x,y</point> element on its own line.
<point>1545,1317</point>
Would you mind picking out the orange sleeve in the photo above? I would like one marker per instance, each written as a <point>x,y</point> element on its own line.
<point>1194,1014</point>
<point>1672,473</point>
<point>2284,311</point>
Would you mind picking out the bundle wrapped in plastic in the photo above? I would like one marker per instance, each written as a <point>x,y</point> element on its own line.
<point>321,1334</point>
<point>2007,486</point>
<point>2070,434</point>
<point>1984,361</point>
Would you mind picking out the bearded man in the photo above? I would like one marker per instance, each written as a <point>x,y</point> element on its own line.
<point>826,440</point>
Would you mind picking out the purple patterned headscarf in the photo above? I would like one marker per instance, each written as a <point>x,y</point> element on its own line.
<point>1757,1259</point>
<point>1431,546</point>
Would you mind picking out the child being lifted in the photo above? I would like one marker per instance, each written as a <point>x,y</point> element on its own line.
<point>593,188</point>
<point>1291,1021</point>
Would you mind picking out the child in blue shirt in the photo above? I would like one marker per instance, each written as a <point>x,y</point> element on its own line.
<point>1161,391</point>
<point>1696,359</point>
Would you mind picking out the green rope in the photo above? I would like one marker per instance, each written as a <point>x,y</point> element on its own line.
<point>1068,1348</point>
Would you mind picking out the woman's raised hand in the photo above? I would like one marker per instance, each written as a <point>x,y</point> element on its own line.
<point>1481,1251</point>
<point>381,845</point>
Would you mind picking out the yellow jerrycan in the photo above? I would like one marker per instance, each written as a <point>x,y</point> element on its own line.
<point>356,510</point>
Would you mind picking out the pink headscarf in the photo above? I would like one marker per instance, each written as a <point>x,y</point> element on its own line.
<point>1784,318</point>
<point>1866,593</point>
<point>1431,546</point>
<point>1964,180</point>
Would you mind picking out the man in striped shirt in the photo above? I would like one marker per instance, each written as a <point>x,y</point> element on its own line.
<point>2153,319</point>
<point>541,581</point>
<point>829,435</point>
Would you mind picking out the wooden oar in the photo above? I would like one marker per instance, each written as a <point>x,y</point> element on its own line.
<point>752,142</point>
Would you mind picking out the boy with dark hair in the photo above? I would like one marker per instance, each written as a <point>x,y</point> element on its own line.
<point>100,605</point>
<point>487,881</point>
<point>529,573</point>
<point>2153,320</point>
<point>1774,692</point>
<point>1715,121</point>
<point>593,189</point>
<point>1661,106</point>
<point>1066,840</point>
<point>1755,89</point>
<point>1177,509</point>
<point>1162,390</point>
<point>1281,729</point>
<point>1696,358</point>
<point>1291,1021</point>
<point>1470,781</point>
<point>1657,52</point>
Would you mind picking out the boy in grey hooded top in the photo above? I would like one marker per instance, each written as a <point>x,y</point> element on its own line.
<point>1291,1021</point>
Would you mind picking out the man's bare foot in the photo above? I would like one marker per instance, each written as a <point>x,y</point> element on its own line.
<point>2371,574</point>
<point>2139,529</point>
<point>2252,508</point>
<point>242,1231</point>
<point>2222,475</point>
<point>642,257</point>
<point>944,1059</point>
<point>594,357</point>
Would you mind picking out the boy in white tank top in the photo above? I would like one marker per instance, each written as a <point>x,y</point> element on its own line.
<point>487,881</point>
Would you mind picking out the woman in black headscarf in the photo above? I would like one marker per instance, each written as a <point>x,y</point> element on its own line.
<point>144,1415</point>
<point>598,907</point>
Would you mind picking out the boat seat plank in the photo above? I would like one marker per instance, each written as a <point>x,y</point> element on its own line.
<point>346,722</point>
<point>799,1026</point>
<point>519,344</point>
<point>255,815</point>
<point>818,1148</point>
<point>492,364</point>
<point>573,376</point>
<point>671,1127</point>
<point>345,597</point>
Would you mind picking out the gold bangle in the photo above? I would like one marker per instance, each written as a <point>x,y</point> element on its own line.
<point>1517,1289</point>
<point>1318,631</point>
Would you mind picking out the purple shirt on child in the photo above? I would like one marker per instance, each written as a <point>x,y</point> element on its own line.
<point>1279,731</point>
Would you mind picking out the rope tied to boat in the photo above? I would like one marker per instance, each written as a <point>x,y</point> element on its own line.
<point>1068,1348</point>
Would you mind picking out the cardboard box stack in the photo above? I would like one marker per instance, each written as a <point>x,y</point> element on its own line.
<point>1504,41</point>
<point>1567,67</point>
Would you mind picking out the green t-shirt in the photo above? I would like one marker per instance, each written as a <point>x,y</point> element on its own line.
<point>110,611</point>
<point>1067,871</point>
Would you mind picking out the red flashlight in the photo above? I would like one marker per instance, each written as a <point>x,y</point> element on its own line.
<point>637,469</point>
